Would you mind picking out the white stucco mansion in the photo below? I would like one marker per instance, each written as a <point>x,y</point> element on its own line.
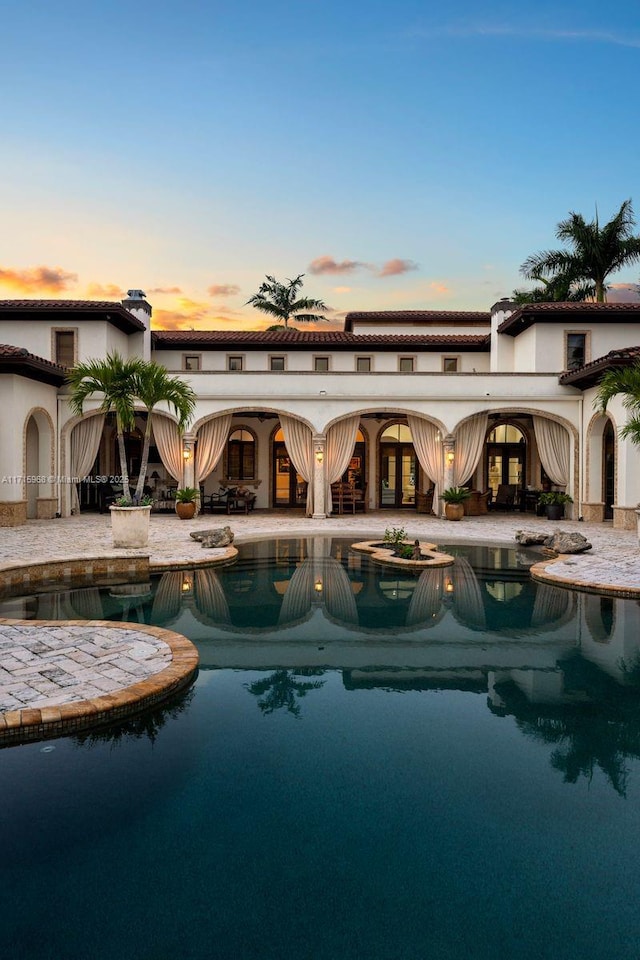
<point>397,403</point>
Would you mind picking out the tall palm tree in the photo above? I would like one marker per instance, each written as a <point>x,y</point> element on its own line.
<point>280,300</point>
<point>623,381</point>
<point>115,379</point>
<point>595,251</point>
<point>560,289</point>
<point>153,385</point>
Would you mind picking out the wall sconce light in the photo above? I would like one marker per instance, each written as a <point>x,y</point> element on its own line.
<point>318,585</point>
<point>319,455</point>
<point>187,584</point>
<point>448,586</point>
<point>450,457</point>
<point>186,453</point>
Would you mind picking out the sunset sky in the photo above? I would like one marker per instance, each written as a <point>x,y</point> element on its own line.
<point>401,156</point>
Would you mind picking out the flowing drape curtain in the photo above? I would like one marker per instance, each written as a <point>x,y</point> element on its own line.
<point>85,443</point>
<point>337,594</point>
<point>426,601</point>
<point>168,598</point>
<point>467,597</point>
<point>85,604</point>
<point>428,447</point>
<point>341,442</point>
<point>299,595</point>
<point>210,597</point>
<point>470,438</point>
<point>550,606</point>
<point>212,437</point>
<point>298,440</point>
<point>553,447</point>
<point>169,443</point>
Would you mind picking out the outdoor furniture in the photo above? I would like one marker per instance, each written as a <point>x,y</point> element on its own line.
<point>477,503</point>
<point>505,497</point>
<point>347,498</point>
<point>424,501</point>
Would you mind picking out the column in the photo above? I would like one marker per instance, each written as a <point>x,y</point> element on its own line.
<point>319,477</point>
<point>449,454</point>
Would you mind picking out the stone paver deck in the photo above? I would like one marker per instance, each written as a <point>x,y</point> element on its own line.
<point>68,675</point>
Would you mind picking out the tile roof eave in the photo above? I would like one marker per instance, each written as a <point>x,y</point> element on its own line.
<point>591,373</point>
<point>108,310</point>
<point>531,313</point>
<point>333,341</point>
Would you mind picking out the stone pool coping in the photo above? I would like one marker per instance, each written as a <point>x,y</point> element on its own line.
<point>560,576</point>
<point>40,723</point>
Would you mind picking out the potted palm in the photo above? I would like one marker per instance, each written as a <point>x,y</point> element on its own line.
<point>186,501</point>
<point>554,502</point>
<point>454,498</point>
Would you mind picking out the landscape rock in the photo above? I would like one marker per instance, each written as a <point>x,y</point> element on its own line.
<point>565,542</point>
<point>527,537</point>
<point>216,537</point>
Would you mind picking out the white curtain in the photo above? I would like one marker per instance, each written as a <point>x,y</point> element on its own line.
<point>338,596</point>
<point>85,443</point>
<point>212,437</point>
<point>467,597</point>
<point>168,598</point>
<point>299,595</point>
<point>469,443</point>
<point>298,440</point>
<point>169,443</point>
<point>210,597</point>
<point>425,607</point>
<point>553,448</point>
<point>341,441</point>
<point>428,447</point>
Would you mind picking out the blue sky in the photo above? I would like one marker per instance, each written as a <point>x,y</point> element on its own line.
<point>400,156</point>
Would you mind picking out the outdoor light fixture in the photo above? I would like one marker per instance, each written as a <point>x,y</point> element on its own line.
<point>448,586</point>
<point>186,453</point>
<point>187,584</point>
<point>319,455</point>
<point>450,457</point>
<point>318,585</point>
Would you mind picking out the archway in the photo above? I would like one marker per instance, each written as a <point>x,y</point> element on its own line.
<point>506,457</point>
<point>38,436</point>
<point>398,467</point>
<point>289,487</point>
<point>608,469</point>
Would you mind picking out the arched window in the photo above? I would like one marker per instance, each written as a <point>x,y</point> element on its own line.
<point>396,433</point>
<point>241,455</point>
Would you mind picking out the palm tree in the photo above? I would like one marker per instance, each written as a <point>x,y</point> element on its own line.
<point>153,385</point>
<point>595,252</point>
<point>625,381</point>
<point>115,379</point>
<point>279,300</point>
<point>560,289</point>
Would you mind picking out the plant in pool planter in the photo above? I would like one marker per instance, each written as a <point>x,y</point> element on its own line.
<point>144,501</point>
<point>186,500</point>
<point>454,498</point>
<point>554,502</point>
<point>395,537</point>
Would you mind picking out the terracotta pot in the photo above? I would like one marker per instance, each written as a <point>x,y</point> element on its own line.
<point>454,511</point>
<point>186,511</point>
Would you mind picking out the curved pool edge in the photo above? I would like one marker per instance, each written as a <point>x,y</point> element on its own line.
<point>561,577</point>
<point>30,724</point>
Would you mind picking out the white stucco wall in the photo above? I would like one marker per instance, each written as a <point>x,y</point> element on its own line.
<point>339,362</point>
<point>22,396</point>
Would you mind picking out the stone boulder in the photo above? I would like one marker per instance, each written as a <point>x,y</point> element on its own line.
<point>217,537</point>
<point>527,537</point>
<point>564,542</point>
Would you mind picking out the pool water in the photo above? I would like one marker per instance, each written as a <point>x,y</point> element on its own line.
<point>369,765</point>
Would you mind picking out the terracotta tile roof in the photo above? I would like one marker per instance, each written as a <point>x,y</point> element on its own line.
<point>18,360</point>
<point>108,310</point>
<point>306,339</point>
<point>423,317</point>
<point>591,373</point>
<point>530,313</point>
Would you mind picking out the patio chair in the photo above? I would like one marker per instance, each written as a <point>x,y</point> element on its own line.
<point>505,497</point>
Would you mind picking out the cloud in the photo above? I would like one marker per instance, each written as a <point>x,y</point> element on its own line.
<point>623,292</point>
<point>104,291</point>
<point>36,279</point>
<point>167,290</point>
<point>223,290</point>
<point>342,289</point>
<point>438,287</point>
<point>323,265</point>
<point>395,267</point>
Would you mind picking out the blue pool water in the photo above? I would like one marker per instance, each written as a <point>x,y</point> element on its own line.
<point>369,765</point>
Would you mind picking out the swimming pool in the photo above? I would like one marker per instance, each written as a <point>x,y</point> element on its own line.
<point>370,764</point>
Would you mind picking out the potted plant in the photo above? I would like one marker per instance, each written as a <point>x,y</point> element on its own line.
<point>554,502</point>
<point>130,521</point>
<point>454,498</point>
<point>186,501</point>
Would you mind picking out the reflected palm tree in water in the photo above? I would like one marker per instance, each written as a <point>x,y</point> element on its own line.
<point>144,725</point>
<point>283,689</point>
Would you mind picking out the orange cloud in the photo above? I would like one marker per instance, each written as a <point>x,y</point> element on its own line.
<point>342,289</point>
<point>174,290</point>
<point>439,287</point>
<point>328,265</point>
<point>395,267</point>
<point>106,291</point>
<point>223,290</point>
<point>35,279</point>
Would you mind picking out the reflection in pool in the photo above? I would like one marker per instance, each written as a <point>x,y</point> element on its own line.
<point>370,764</point>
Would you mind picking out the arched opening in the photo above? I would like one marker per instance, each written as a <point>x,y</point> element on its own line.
<point>506,459</point>
<point>32,443</point>
<point>289,487</point>
<point>241,455</point>
<point>398,467</point>
<point>608,469</point>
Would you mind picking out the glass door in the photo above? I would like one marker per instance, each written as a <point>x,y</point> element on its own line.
<point>397,475</point>
<point>289,488</point>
